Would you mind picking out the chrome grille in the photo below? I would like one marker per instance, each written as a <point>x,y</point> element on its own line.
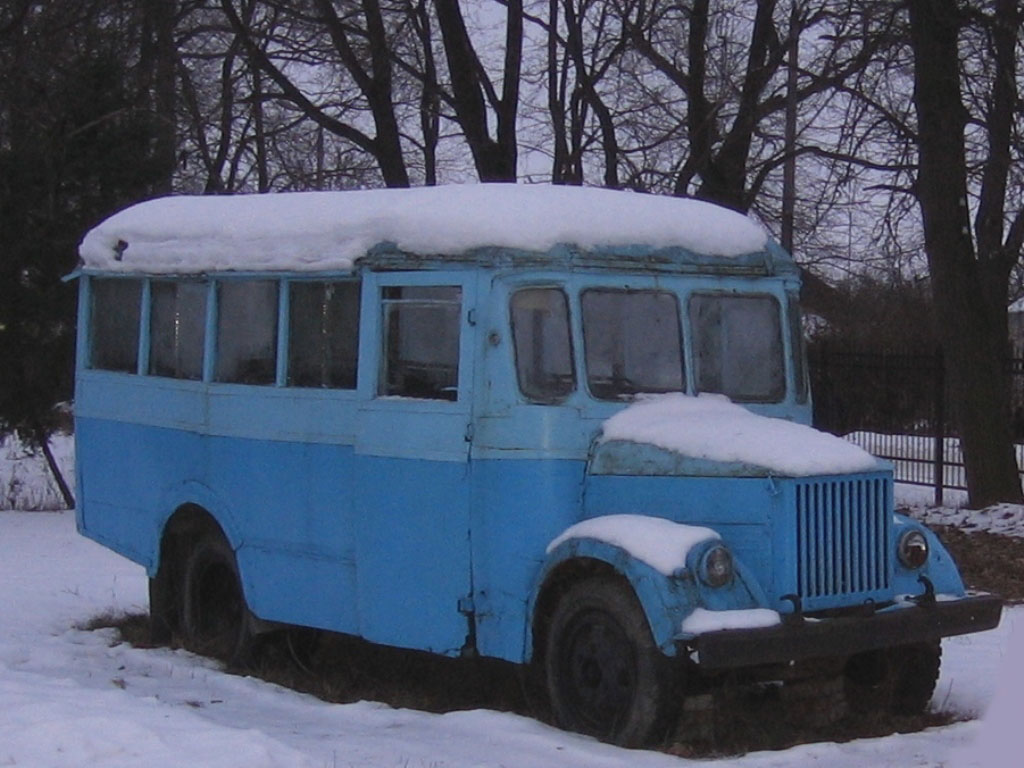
<point>842,537</point>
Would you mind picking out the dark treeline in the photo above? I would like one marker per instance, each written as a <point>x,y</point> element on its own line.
<point>900,124</point>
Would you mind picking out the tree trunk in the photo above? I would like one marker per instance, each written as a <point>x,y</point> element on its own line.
<point>586,83</point>
<point>556,81</point>
<point>161,14</point>
<point>262,169</point>
<point>430,101</point>
<point>42,439</point>
<point>494,159</point>
<point>968,325</point>
<point>724,179</point>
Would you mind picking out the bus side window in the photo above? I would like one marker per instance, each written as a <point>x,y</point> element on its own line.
<point>323,334</point>
<point>114,324</point>
<point>421,342</point>
<point>247,331</point>
<point>177,328</point>
<point>543,344</point>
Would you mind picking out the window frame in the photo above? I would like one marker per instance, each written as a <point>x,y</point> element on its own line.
<point>384,304</point>
<point>285,326</point>
<point>560,289</point>
<point>681,336</point>
<point>782,342</point>
<point>199,281</point>
<point>217,376</point>
<point>140,335</point>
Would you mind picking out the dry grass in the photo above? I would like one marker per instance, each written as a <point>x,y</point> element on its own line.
<point>763,722</point>
<point>987,561</point>
<point>342,669</point>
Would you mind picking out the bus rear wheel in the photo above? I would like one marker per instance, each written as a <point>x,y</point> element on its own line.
<point>215,619</point>
<point>605,676</point>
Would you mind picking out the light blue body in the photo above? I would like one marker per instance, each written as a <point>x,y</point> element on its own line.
<point>424,523</point>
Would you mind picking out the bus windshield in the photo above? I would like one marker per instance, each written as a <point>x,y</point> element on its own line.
<point>738,348</point>
<point>632,342</point>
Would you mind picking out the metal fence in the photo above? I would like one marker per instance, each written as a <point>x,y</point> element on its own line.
<point>895,405</point>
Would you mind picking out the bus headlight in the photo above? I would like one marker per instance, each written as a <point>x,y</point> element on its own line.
<point>913,549</point>
<point>716,567</point>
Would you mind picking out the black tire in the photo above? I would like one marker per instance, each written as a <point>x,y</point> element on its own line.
<point>215,619</point>
<point>605,676</point>
<point>897,681</point>
<point>164,612</point>
<point>533,685</point>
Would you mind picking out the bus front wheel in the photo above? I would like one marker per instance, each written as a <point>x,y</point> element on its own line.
<point>215,618</point>
<point>605,676</point>
<point>897,681</point>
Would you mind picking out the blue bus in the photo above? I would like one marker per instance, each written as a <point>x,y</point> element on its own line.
<point>562,427</point>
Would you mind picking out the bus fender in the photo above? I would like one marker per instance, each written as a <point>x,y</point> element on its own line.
<point>192,494</point>
<point>666,599</point>
<point>940,571</point>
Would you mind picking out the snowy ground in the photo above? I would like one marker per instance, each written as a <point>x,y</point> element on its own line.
<point>1006,519</point>
<point>70,698</point>
<point>25,480</point>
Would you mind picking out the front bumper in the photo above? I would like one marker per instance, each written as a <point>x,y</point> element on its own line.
<point>844,636</point>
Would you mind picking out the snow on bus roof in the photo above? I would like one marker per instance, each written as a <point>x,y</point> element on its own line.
<point>324,231</point>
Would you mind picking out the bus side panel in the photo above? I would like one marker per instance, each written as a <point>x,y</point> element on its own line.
<point>519,506</point>
<point>412,529</point>
<point>292,503</point>
<point>122,471</point>
<point>741,509</point>
<point>285,506</point>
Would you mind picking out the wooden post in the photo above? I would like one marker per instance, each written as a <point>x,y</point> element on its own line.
<point>939,447</point>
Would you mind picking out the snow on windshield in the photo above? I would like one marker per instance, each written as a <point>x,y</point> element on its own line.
<point>331,230</point>
<point>712,427</point>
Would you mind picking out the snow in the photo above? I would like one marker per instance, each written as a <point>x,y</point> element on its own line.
<point>70,697</point>
<point>74,698</point>
<point>917,501</point>
<point>711,427</point>
<point>1004,519</point>
<point>914,497</point>
<point>703,620</point>
<point>661,544</point>
<point>331,230</point>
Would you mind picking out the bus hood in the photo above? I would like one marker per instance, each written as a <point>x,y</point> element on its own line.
<point>676,434</point>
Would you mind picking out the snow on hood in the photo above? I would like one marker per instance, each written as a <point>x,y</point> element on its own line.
<point>712,427</point>
<point>660,543</point>
<point>331,230</point>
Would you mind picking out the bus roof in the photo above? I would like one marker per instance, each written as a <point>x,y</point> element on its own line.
<point>330,231</point>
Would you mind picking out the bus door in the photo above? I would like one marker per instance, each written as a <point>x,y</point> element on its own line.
<point>411,503</point>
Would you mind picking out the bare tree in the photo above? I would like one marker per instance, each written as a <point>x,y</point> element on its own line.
<point>729,68</point>
<point>970,273</point>
<point>357,43</point>
<point>80,136</point>
<point>474,96</point>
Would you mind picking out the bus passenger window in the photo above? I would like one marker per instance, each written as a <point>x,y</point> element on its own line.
<point>632,342</point>
<point>737,346</point>
<point>247,331</point>
<point>323,334</point>
<point>543,345</point>
<point>177,329</point>
<point>114,324</point>
<point>421,342</point>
